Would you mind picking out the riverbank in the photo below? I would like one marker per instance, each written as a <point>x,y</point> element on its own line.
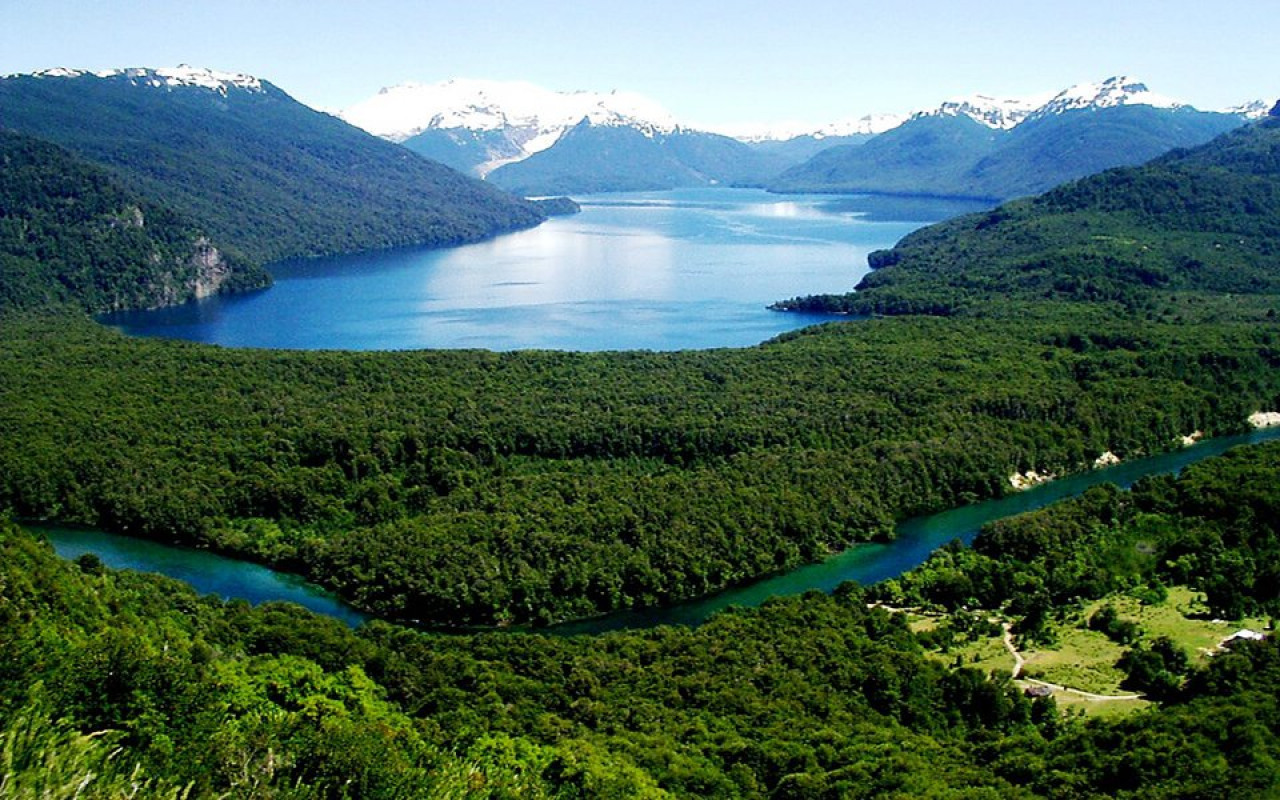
<point>915,540</point>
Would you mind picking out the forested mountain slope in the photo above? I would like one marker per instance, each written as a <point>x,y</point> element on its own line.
<point>262,173</point>
<point>1200,220</point>
<point>605,158</point>
<point>69,234</point>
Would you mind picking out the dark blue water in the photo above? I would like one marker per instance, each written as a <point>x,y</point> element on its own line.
<point>662,271</point>
<point>864,563</point>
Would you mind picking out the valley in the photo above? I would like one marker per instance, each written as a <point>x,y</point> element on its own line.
<point>674,510</point>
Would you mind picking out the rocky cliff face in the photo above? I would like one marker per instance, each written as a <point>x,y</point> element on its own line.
<point>203,272</point>
<point>211,269</point>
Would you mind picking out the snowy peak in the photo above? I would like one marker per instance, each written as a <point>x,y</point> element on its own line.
<point>1118,91</point>
<point>164,78</point>
<point>538,115</point>
<point>1007,113</point>
<point>999,113</point>
<point>996,112</point>
<point>1255,109</point>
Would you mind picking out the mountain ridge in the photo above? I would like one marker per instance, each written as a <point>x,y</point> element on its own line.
<point>955,155</point>
<point>1196,219</point>
<point>264,174</point>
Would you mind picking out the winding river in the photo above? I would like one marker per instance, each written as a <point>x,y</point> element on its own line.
<point>864,563</point>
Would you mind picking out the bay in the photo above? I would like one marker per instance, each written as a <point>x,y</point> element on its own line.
<point>684,269</point>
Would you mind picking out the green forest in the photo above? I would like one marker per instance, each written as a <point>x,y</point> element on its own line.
<point>472,487</point>
<point>1119,314</point>
<point>816,696</point>
<point>69,235</point>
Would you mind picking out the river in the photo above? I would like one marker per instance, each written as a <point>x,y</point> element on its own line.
<point>865,563</point>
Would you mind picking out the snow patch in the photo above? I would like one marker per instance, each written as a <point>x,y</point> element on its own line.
<point>185,75</point>
<point>1000,113</point>
<point>1254,109</point>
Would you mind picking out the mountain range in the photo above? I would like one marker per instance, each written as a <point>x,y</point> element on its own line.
<point>534,141</point>
<point>479,125</point>
<point>954,155</point>
<point>1193,220</point>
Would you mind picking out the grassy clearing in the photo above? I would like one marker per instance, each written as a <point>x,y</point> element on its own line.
<point>1086,660</point>
<point>1073,703</point>
<point>1081,659</point>
<point>1181,617</point>
<point>986,654</point>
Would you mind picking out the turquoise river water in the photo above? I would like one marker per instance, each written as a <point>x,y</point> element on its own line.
<point>865,563</point>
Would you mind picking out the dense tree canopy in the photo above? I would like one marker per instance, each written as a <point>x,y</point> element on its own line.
<point>69,234</point>
<point>491,488</point>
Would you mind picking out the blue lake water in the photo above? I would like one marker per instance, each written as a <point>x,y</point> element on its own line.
<point>658,270</point>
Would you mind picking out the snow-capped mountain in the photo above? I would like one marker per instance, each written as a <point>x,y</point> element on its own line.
<point>531,117</point>
<point>164,77</point>
<point>1118,91</point>
<point>998,113</point>
<point>1008,113</point>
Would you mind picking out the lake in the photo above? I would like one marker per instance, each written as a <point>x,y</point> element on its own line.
<point>685,269</point>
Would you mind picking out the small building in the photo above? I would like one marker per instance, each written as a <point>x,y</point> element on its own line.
<point>1242,635</point>
<point>1037,691</point>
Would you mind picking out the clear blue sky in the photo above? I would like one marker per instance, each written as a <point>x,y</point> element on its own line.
<point>710,62</point>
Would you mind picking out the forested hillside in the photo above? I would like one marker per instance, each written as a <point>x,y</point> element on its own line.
<point>811,696</point>
<point>260,172</point>
<point>603,158</point>
<point>1193,221</point>
<point>70,235</point>
<point>483,488</point>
